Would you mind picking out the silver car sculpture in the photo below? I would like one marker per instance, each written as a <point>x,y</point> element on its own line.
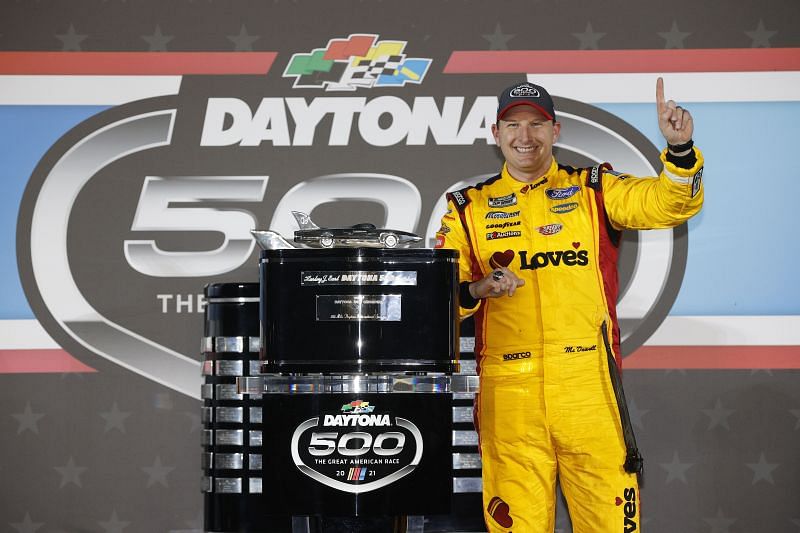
<point>312,236</point>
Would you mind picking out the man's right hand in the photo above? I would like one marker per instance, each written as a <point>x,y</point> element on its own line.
<point>499,282</point>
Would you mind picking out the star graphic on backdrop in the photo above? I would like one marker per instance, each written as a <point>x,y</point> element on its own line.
<point>70,473</point>
<point>681,371</point>
<point>28,420</point>
<point>114,524</point>
<point>676,469</point>
<point>760,36</point>
<point>157,473</point>
<point>796,521</point>
<point>71,41</point>
<point>674,37</point>
<point>720,524</point>
<point>195,419</point>
<point>718,415</point>
<point>27,525</point>
<point>796,413</point>
<point>498,40</point>
<point>636,414</point>
<point>243,41</point>
<point>115,419</point>
<point>766,371</point>
<point>589,37</point>
<point>762,469</point>
<point>157,41</point>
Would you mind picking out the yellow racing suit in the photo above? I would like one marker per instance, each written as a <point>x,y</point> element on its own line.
<point>550,401</point>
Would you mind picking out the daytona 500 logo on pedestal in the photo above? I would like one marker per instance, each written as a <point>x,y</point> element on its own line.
<point>374,454</point>
<point>358,449</point>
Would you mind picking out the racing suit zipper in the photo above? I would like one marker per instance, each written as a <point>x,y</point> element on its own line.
<point>634,464</point>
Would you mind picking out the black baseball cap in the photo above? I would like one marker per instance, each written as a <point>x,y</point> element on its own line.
<point>526,94</point>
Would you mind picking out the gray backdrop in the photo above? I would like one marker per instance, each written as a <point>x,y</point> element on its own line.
<point>115,451</point>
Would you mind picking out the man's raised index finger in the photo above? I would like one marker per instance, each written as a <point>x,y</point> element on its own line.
<point>660,93</point>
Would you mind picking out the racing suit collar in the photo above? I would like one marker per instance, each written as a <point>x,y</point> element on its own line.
<point>518,186</point>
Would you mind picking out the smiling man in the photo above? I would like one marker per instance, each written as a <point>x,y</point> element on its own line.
<point>538,248</point>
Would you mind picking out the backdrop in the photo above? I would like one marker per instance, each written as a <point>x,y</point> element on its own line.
<point>141,141</point>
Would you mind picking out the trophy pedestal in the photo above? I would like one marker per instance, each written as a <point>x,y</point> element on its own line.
<point>353,393</point>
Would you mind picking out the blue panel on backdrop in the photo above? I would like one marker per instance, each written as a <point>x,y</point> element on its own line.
<point>27,133</point>
<point>743,246</point>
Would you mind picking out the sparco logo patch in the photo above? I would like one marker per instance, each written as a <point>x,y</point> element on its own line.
<point>502,214</point>
<point>502,235</point>
<point>594,176</point>
<point>503,201</point>
<point>550,229</point>
<point>356,450</point>
<point>556,258</point>
<point>515,356</point>
<point>562,193</point>
<point>560,209</point>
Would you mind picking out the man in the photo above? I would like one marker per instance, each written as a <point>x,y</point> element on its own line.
<point>538,250</point>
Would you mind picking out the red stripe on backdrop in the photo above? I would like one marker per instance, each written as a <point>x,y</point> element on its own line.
<point>39,361</point>
<point>135,63</point>
<point>714,357</point>
<point>620,61</point>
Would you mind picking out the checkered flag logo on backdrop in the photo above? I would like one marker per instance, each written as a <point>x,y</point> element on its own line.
<point>359,61</point>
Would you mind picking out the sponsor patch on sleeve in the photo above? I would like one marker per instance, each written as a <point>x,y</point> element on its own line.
<point>697,180</point>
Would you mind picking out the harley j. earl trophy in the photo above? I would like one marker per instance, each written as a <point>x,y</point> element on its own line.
<point>358,343</point>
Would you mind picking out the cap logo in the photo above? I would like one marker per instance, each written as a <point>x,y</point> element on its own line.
<point>523,91</point>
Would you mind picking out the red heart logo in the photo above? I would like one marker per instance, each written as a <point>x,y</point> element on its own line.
<point>618,501</point>
<point>499,259</point>
<point>576,245</point>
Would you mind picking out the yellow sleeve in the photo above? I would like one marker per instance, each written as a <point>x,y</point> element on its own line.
<point>672,198</point>
<point>453,235</point>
